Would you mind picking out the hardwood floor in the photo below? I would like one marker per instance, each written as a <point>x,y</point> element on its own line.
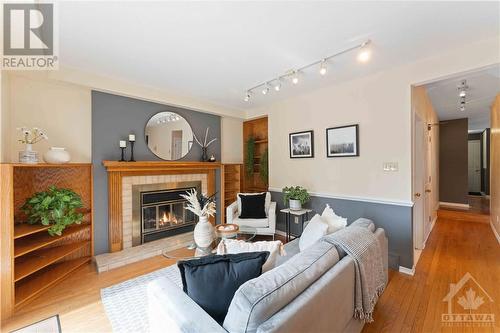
<point>409,304</point>
<point>415,303</point>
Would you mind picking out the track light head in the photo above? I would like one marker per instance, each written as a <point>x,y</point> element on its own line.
<point>295,77</point>
<point>277,86</point>
<point>462,93</point>
<point>322,67</point>
<point>247,96</point>
<point>265,90</point>
<point>364,53</point>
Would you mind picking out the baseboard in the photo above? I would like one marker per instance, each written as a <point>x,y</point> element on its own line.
<point>454,205</point>
<point>407,271</point>
<point>430,231</point>
<point>494,231</point>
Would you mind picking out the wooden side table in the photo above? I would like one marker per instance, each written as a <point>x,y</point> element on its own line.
<point>304,216</point>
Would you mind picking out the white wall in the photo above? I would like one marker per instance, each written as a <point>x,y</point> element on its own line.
<point>381,105</point>
<point>62,110</point>
<point>232,140</point>
<point>5,140</point>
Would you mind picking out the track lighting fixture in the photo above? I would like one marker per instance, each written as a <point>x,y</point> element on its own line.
<point>462,93</point>
<point>322,67</point>
<point>364,55</point>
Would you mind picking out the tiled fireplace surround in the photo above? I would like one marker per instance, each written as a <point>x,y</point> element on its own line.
<point>128,253</point>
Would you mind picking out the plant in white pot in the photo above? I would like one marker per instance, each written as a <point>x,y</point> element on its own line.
<point>295,196</point>
<point>202,206</point>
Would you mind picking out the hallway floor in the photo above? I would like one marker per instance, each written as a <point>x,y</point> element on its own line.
<point>454,248</point>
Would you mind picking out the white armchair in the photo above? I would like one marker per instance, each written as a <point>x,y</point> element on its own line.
<point>265,226</point>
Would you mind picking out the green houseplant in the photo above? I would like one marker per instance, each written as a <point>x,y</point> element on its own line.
<point>56,207</point>
<point>264,167</point>
<point>295,196</point>
<point>250,152</point>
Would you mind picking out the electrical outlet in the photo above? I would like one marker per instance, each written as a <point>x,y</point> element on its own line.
<point>296,220</point>
<point>390,166</point>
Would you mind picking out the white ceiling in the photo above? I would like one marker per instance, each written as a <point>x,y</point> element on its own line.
<point>214,51</point>
<point>483,84</point>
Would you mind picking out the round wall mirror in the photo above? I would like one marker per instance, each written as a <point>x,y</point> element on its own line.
<point>169,136</point>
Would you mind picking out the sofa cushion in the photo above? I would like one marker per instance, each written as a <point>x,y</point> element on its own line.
<point>253,206</point>
<point>275,249</point>
<point>335,222</point>
<point>313,232</point>
<point>259,299</point>
<point>212,281</point>
<point>255,223</point>
<point>268,201</point>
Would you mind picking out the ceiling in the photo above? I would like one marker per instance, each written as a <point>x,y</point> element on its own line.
<point>214,51</point>
<point>483,85</point>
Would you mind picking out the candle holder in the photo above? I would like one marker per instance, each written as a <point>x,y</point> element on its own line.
<point>123,154</point>
<point>131,151</point>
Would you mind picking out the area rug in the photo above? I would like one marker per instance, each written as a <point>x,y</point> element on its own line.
<point>49,325</point>
<point>126,303</point>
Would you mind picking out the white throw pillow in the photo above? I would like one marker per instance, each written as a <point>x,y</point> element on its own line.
<point>335,222</point>
<point>275,248</point>
<point>313,232</point>
<point>267,203</point>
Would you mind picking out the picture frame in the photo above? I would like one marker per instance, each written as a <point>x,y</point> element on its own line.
<point>342,141</point>
<point>301,144</point>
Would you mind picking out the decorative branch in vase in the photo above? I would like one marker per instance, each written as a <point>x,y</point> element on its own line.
<point>204,145</point>
<point>29,138</point>
<point>202,206</point>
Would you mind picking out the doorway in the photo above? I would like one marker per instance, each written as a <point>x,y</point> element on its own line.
<point>474,167</point>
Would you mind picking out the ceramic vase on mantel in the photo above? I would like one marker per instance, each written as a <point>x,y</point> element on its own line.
<point>204,233</point>
<point>28,156</point>
<point>56,155</point>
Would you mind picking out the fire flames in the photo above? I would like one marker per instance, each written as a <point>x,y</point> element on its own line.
<point>168,219</point>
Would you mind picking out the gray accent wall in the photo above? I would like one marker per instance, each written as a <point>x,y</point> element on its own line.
<point>453,158</point>
<point>396,220</point>
<point>113,119</point>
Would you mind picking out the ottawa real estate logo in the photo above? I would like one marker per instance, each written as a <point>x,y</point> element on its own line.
<point>467,304</point>
<point>29,36</point>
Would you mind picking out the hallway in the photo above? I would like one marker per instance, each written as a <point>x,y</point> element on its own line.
<point>415,303</point>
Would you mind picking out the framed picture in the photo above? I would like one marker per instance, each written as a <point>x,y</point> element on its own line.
<point>301,144</point>
<point>342,141</point>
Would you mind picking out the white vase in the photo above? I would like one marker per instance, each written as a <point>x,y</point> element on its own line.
<point>28,156</point>
<point>56,155</point>
<point>204,233</point>
<point>295,204</point>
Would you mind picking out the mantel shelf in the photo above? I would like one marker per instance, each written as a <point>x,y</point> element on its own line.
<point>139,166</point>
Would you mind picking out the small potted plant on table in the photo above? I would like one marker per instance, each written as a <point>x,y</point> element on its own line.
<point>295,196</point>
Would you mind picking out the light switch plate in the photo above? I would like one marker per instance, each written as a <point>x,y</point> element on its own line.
<point>390,166</point>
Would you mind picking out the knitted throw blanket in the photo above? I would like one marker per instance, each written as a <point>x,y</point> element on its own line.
<point>362,246</point>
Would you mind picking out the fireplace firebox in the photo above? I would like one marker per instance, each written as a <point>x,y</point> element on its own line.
<point>163,214</point>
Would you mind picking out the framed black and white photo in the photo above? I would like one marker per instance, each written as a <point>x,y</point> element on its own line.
<point>342,141</point>
<point>301,144</point>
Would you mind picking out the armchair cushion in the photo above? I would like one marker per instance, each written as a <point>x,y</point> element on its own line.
<point>252,206</point>
<point>268,200</point>
<point>255,223</point>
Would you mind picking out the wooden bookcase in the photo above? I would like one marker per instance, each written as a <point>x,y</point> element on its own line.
<point>257,129</point>
<point>32,260</point>
<point>231,180</point>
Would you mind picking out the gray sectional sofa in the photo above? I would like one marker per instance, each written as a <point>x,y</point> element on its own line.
<point>308,291</point>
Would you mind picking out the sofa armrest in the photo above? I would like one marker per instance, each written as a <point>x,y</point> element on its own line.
<point>231,212</point>
<point>272,216</point>
<point>171,310</point>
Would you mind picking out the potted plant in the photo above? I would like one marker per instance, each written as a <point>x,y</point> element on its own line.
<point>202,206</point>
<point>250,154</point>
<point>296,196</point>
<point>57,207</point>
<point>30,136</point>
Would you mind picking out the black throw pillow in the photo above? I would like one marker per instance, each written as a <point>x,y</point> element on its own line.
<point>211,281</point>
<point>253,206</point>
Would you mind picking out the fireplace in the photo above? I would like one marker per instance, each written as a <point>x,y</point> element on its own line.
<point>164,214</point>
<point>159,211</point>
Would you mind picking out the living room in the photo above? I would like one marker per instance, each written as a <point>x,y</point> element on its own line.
<point>184,133</point>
